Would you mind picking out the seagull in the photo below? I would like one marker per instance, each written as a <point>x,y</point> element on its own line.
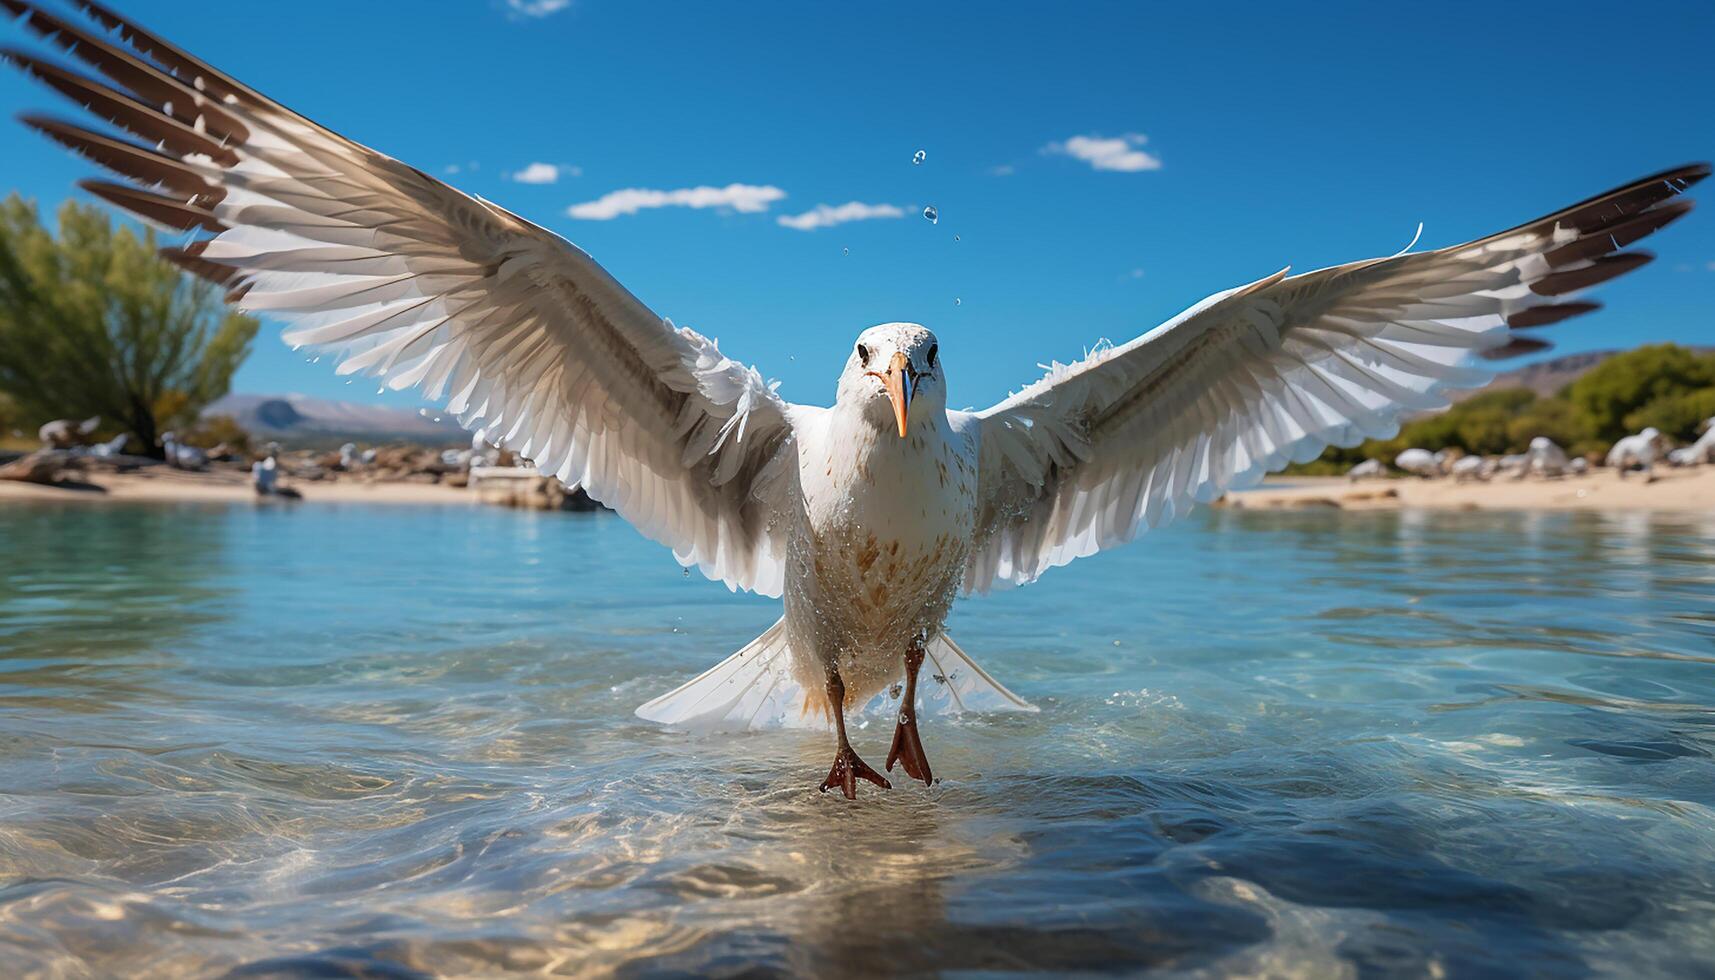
<point>1638,450</point>
<point>1418,462</point>
<point>1366,469</point>
<point>1470,468</point>
<point>1703,450</point>
<point>867,517</point>
<point>1546,458</point>
<point>65,433</point>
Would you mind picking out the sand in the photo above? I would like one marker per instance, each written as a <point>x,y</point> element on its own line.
<point>162,485</point>
<point>1672,490</point>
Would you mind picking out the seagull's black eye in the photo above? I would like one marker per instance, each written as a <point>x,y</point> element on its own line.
<point>863,355</point>
<point>933,350</point>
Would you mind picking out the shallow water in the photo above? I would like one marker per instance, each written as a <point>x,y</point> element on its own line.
<point>342,738</point>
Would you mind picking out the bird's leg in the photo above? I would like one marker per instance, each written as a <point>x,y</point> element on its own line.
<point>907,747</point>
<point>847,766</point>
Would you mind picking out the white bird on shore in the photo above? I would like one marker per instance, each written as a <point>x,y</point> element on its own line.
<point>1418,462</point>
<point>1544,458</point>
<point>1472,468</point>
<point>867,517</point>
<point>181,456</point>
<point>1368,468</point>
<point>1639,450</point>
<point>1703,450</point>
<point>112,447</point>
<point>264,475</point>
<point>64,433</point>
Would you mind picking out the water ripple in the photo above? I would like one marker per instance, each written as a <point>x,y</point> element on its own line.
<point>358,741</point>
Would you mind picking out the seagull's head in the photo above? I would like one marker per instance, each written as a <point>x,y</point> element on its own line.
<point>893,375</point>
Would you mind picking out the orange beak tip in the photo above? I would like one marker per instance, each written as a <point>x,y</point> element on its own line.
<point>898,385</point>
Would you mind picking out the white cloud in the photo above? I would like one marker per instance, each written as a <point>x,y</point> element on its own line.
<point>748,198</point>
<point>543,173</point>
<point>452,168</point>
<point>826,216</point>
<point>536,8</point>
<point>1117,153</point>
<point>1004,170</point>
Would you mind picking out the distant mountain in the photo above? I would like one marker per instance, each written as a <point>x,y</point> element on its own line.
<point>1549,376</point>
<point>1543,377</point>
<point>313,422</point>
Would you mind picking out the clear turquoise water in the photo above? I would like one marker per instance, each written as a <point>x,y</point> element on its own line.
<point>343,738</point>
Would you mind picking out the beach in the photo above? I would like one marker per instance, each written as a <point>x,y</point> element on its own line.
<point>1672,490</point>
<point>164,485</point>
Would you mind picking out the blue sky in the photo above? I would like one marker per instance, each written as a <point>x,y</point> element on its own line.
<point>1103,165</point>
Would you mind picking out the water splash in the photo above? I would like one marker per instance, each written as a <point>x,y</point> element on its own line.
<point>918,157</point>
<point>933,216</point>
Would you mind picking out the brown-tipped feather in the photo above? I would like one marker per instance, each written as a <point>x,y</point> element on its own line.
<point>1599,271</point>
<point>129,160</point>
<point>1612,207</point>
<point>201,75</point>
<point>151,84</point>
<point>186,259</point>
<point>175,59</point>
<point>1542,316</point>
<point>154,207</point>
<point>1516,347</point>
<point>1618,236</point>
<point>121,110</point>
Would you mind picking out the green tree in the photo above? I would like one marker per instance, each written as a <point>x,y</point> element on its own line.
<point>1558,419</point>
<point>93,322</point>
<point>1612,391</point>
<point>1679,416</point>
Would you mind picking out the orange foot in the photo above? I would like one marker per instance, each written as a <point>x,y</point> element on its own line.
<point>908,749</point>
<point>847,768</point>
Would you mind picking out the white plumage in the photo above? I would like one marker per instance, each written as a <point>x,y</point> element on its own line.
<point>877,520</point>
<point>1546,458</point>
<point>1418,462</point>
<point>1638,450</point>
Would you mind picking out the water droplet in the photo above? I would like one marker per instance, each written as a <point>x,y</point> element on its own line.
<point>381,389</point>
<point>846,251</point>
<point>423,412</point>
<point>919,157</point>
<point>348,382</point>
<point>316,360</point>
<point>955,238</point>
<point>957,301</point>
<point>933,215</point>
<point>437,418</point>
<point>687,573</point>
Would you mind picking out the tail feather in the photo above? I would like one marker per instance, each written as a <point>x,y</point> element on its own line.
<point>755,688</point>
<point>962,684</point>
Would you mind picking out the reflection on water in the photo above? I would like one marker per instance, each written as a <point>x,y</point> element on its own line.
<point>399,742</point>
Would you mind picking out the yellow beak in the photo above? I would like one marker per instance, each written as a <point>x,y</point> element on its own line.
<point>897,380</point>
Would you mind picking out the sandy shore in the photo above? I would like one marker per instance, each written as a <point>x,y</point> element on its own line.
<point>1688,489</point>
<point>159,484</point>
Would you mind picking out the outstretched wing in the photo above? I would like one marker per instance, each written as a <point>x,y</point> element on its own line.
<point>406,279</point>
<point>1271,373</point>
